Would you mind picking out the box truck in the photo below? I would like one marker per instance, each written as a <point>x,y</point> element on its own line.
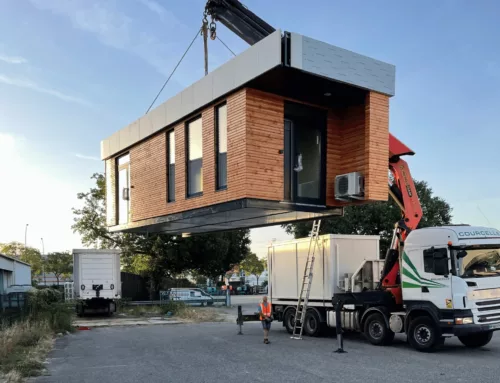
<point>97,280</point>
<point>344,261</point>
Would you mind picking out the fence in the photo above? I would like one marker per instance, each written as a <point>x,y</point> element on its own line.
<point>11,307</point>
<point>12,301</point>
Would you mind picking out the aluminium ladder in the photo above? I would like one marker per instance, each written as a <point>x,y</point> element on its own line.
<point>300,312</point>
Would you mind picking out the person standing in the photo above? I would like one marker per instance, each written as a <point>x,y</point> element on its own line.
<point>265,317</point>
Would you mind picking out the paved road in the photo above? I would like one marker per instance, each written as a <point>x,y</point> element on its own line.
<point>200,353</point>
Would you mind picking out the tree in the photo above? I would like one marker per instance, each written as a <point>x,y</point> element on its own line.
<point>158,256</point>
<point>27,254</point>
<point>253,265</point>
<point>59,263</point>
<point>379,218</point>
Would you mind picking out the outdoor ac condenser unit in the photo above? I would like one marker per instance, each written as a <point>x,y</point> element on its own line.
<point>349,186</point>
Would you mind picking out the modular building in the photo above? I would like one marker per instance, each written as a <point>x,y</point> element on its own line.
<point>291,129</point>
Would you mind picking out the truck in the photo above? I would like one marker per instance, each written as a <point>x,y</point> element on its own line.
<point>96,280</point>
<point>450,285</point>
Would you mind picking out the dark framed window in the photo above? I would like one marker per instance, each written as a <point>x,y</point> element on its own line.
<point>221,146</point>
<point>194,162</point>
<point>171,166</point>
<point>436,261</point>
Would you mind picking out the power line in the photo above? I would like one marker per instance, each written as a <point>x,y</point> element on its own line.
<point>223,43</point>
<point>171,74</point>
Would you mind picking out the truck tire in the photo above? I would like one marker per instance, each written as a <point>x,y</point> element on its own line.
<point>376,330</point>
<point>423,334</point>
<point>289,319</point>
<point>476,340</point>
<point>312,323</point>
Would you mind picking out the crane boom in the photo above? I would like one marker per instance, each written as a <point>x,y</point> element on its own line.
<point>239,19</point>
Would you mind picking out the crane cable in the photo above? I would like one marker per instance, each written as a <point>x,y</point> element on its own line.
<point>171,74</point>
<point>204,32</point>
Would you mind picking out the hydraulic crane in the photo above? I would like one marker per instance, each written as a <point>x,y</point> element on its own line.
<point>251,28</point>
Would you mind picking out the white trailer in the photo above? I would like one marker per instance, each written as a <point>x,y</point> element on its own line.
<point>344,263</point>
<point>97,280</point>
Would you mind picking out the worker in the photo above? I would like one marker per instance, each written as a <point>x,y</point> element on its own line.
<point>265,317</point>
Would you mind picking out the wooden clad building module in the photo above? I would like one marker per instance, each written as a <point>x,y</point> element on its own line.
<point>259,141</point>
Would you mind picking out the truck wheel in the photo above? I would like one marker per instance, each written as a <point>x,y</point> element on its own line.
<point>312,323</point>
<point>423,334</point>
<point>289,320</point>
<point>376,330</point>
<point>476,340</point>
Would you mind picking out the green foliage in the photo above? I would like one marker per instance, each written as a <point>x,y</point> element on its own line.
<point>158,256</point>
<point>379,218</point>
<point>48,305</point>
<point>24,343</point>
<point>27,254</point>
<point>253,265</point>
<point>59,263</point>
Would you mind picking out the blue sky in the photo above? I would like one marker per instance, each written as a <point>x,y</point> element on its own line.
<point>73,72</point>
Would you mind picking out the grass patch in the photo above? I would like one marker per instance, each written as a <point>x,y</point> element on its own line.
<point>177,310</point>
<point>25,343</point>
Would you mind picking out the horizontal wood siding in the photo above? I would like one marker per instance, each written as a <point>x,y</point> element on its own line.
<point>148,178</point>
<point>265,136</point>
<point>357,140</point>
<point>148,166</point>
<point>376,146</point>
<point>333,154</point>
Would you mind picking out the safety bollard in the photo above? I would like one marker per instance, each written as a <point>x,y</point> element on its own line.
<point>239,321</point>
<point>338,327</point>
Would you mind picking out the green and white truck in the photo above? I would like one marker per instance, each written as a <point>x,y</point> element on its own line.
<point>450,283</point>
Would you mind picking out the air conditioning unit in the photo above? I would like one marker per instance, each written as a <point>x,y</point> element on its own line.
<point>350,186</point>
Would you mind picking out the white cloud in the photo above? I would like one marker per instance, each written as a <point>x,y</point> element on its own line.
<point>154,7</point>
<point>31,195</point>
<point>21,83</point>
<point>85,157</point>
<point>114,28</point>
<point>13,59</point>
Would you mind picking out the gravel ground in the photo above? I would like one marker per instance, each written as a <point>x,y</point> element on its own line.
<point>212,352</point>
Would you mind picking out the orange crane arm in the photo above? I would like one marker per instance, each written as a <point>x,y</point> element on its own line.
<point>403,192</point>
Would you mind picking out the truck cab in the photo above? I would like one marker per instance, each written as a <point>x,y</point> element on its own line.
<point>451,274</point>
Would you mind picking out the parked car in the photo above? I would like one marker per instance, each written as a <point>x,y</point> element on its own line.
<point>190,296</point>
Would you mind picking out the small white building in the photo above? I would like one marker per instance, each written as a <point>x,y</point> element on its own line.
<point>15,275</point>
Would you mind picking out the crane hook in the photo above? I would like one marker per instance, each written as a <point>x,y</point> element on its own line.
<point>213,30</point>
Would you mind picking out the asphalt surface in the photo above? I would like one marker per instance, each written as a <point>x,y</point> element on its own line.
<point>213,352</point>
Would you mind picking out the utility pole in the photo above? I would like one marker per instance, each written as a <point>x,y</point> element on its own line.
<point>43,262</point>
<point>25,235</point>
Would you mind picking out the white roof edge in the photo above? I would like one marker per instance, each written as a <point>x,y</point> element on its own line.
<point>14,259</point>
<point>96,251</point>
<point>326,236</point>
<point>251,63</point>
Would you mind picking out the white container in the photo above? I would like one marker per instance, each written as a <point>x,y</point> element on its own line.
<point>93,269</point>
<point>340,255</point>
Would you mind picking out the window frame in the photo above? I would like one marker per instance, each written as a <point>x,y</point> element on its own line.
<point>186,142</point>
<point>170,198</point>
<point>216,141</point>
<point>431,253</point>
<point>122,162</point>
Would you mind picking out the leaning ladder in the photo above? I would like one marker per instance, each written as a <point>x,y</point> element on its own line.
<point>300,312</point>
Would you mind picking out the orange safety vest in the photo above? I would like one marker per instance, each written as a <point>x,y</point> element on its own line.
<point>265,310</point>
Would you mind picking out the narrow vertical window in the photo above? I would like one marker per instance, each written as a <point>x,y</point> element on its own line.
<point>123,165</point>
<point>171,166</point>
<point>195,158</point>
<point>221,146</point>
